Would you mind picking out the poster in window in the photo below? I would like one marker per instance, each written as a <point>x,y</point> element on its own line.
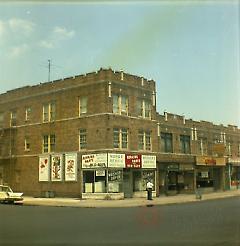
<point>44,168</point>
<point>56,167</point>
<point>114,175</point>
<point>71,167</point>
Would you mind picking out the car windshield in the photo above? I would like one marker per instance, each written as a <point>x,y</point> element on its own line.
<point>5,189</point>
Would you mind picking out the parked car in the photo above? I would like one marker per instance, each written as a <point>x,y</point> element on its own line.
<point>8,196</point>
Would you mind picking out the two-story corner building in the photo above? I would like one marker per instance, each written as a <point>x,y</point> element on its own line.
<point>98,135</point>
<point>90,136</point>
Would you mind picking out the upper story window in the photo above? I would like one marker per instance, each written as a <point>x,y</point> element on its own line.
<point>144,140</point>
<point>28,111</point>
<point>120,104</point>
<point>13,118</point>
<point>82,139</point>
<point>49,143</point>
<point>120,138</point>
<point>49,112</point>
<point>185,144</point>
<point>144,108</point>
<point>166,142</point>
<point>229,149</point>
<point>202,146</point>
<point>26,144</point>
<point>82,105</point>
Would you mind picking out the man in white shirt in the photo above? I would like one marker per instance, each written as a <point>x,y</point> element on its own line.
<point>149,190</point>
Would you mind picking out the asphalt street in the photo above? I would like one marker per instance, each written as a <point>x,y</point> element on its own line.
<point>215,222</point>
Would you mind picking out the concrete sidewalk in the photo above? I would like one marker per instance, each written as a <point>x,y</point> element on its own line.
<point>132,202</point>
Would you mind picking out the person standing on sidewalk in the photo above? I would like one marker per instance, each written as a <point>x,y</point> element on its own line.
<point>149,190</point>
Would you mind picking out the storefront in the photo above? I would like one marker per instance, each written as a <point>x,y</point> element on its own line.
<point>233,168</point>
<point>210,173</point>
<point>176,178</point>
<point>139,169</point>
<point>115,176</point>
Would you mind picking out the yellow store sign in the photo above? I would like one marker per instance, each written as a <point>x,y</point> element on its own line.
<point>210,161</point>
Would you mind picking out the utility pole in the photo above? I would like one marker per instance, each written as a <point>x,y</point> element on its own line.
<point>49,69</point>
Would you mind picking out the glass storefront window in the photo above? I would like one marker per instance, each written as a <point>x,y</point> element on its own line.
<point>115,178</point>
<point>88,181</point>
<point>148,176</point>
<point>94,181</point>
<point>205,178</point>
<point>140,179</point>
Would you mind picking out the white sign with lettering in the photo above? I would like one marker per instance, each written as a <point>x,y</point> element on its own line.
<point>116,160</point>
<point>94,161</point>
<point>148,161</point>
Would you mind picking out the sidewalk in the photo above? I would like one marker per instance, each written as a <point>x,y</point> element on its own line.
<point>132,202</point>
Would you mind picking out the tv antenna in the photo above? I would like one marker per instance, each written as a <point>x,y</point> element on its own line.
<point>49,69</point>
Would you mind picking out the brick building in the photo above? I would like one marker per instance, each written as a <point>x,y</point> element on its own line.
<point>99,135</point>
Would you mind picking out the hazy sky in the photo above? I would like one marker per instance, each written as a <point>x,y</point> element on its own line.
<point>190,48</point>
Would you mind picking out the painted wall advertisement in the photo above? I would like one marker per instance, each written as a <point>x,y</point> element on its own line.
<point>71,167</point>
<point>56,167</point>
<point>44,168</point>
<point>94,161</point>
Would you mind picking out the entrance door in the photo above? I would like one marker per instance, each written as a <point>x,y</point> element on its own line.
<point>217,178</point>
<point>127,183</point>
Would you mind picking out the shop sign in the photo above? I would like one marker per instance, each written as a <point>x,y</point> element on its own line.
<point>116,160</point>
<point>209,161</point>
<point>44,168</point>
<point>100,173</point>
<point>234,161</point>
<point>133,161</point>
<point>94,161</point>
<point>148,161</point>
<point>71,167</point>
<point>56,167</point>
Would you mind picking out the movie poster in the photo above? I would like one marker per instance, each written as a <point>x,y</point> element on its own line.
<point>44,168</point>
<point>71,167</point>
<point>56,167</point>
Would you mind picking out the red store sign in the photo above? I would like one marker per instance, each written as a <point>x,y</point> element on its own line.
<point>133,161</point>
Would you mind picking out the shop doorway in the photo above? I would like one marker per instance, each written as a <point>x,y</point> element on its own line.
<point>127,183</point>
<point>217,179</point>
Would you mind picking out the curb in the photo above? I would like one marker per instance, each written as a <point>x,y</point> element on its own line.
<point>144,203</point>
